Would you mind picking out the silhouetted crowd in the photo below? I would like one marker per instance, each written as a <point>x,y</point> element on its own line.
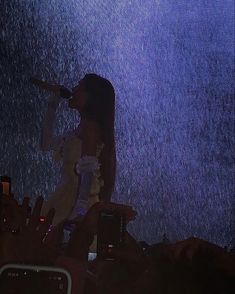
<point>26,239</point>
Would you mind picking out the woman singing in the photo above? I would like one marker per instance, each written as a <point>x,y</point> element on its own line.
<point>87,153</point>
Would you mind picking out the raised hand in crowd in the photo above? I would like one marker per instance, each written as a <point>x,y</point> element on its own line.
<point>22,235</point>
<point>90,221</point>
<point>85,231</point>
<point>75,257</point>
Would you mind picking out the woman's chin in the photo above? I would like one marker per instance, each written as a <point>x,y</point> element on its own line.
<point>71,104</point>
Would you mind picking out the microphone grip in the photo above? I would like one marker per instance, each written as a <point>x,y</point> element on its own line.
<point>65,93</point>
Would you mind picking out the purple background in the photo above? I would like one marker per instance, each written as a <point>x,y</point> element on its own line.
<point>172,65</point>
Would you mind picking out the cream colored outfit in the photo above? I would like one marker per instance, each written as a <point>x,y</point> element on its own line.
<point>67,148</point>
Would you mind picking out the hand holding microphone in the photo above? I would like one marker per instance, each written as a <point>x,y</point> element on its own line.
<point>57,89</point>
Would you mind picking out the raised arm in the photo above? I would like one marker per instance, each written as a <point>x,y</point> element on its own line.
<point>48,140</point>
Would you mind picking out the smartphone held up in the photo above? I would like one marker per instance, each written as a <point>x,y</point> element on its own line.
<point>111,233</point>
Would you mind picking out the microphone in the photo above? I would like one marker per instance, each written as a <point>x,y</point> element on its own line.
<point>64,92</point>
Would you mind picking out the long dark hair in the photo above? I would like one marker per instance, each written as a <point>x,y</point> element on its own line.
<point>100,107</point>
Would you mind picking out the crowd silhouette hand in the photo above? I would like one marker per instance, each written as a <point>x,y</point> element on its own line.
<point>9,213</point>
<point>24,241</point>
<point>131,252</point>
<point>90,221</point>
<point>54,237</point>
<point>83,235</point>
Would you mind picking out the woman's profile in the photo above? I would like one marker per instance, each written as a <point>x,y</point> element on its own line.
<point>87,153</point>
